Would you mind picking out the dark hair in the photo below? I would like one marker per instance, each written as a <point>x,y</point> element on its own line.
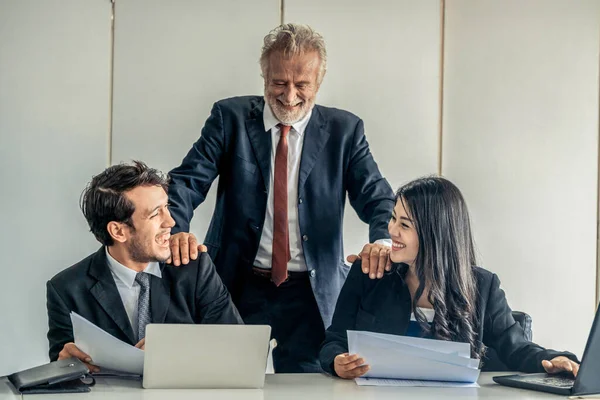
<point>103,200</point>
<point>445,259</point>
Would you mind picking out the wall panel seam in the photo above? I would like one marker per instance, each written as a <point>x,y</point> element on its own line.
<point>111,82</point>
<point>598,190</point>
<point>441,88</point>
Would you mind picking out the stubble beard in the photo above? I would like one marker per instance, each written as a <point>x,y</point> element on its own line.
<point>139,254</point>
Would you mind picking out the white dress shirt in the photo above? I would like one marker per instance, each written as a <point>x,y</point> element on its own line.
<point>429,314</point>
<point>295,140</point>
<point>128,288</point>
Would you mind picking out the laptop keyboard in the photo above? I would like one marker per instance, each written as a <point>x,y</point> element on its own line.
<point>555,381</point>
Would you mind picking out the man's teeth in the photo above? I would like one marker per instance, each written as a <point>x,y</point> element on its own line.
<point>163,239</point>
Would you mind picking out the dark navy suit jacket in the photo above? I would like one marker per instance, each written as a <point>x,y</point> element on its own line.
<point>191,295</point>
<point>335,161</point>
<point>384,306</point>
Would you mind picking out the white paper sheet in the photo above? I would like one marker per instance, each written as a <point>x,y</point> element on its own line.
<point>106,350</point>
<point>396,357</point>
<point>414,383</point>
<point>441,346</point>
<point>370,340</point>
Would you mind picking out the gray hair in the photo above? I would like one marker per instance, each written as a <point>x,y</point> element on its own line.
<point>291,39</point>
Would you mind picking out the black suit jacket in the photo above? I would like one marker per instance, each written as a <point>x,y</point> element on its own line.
<point>190,295</point>
<point>384,306</point>
<point>336,161</point>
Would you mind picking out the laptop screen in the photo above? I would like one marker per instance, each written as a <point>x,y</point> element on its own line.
<point>587,381</point>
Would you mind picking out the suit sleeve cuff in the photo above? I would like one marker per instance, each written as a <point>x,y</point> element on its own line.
<point>328,354</point>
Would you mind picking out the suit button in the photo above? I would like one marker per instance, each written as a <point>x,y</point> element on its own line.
<point>300,200</point>
<point>312,273</point>
<point>305,238</point>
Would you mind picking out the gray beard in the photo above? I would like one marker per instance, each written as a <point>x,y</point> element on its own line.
<point>287,118</point>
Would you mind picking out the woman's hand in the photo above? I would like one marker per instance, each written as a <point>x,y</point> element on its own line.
<point>349,366</point>
<point>560,364</point>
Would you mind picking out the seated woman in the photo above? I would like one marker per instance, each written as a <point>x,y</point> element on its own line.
<point>434,290</point>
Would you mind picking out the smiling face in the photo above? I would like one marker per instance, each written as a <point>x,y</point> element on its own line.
<point>405,240</point>
<point>291,85</point>
<point>148,240</point>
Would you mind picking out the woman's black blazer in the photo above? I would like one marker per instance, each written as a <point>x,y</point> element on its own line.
<point>384,306</point>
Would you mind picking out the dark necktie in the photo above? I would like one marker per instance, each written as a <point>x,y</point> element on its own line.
<point>144,316</point>
<point>281,237</point>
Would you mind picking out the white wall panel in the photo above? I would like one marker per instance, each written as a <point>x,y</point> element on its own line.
<point>520,140</point>
<point>54,98</point>
<point>173,60</point>
<point>383,65</point>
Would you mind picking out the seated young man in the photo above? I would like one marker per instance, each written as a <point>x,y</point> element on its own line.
<point>126,284</point>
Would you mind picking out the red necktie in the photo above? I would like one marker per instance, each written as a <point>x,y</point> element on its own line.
<point>281,236</point>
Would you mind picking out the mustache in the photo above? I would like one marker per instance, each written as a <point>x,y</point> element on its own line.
<point>295,102</point>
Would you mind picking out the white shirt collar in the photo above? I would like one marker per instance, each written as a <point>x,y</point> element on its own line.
<point>127,275</point>
<point>271,121</point>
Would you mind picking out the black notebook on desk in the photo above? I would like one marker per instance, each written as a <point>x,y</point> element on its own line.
<point>62,376</point>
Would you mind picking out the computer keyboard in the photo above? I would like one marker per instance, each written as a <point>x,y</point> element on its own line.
<point>556,381</point>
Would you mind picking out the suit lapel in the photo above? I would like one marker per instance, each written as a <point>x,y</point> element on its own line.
<point>260,140</point>
<point>160,298</point>
<point>315,138</point>
<point>106,294</point>
<point>401,301</point>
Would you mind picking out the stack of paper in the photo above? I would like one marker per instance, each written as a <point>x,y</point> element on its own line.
<point>106,351</point>
<point>409,358</point>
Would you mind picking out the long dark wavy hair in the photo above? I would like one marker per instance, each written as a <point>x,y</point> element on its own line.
<point>445,259</point>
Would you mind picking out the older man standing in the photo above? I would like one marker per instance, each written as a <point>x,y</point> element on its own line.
<point>285,166</point>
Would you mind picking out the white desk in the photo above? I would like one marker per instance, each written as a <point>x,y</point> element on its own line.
<point>287,387</point>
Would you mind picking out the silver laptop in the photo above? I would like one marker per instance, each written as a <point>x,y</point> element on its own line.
<point>205,356</point>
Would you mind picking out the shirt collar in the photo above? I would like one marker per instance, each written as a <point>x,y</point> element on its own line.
<point>271,121</point>
<point>127,275</point>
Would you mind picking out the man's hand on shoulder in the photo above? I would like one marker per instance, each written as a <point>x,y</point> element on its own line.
<point>375,259</point>
<point>184,246</point>
<point>70,350</point>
